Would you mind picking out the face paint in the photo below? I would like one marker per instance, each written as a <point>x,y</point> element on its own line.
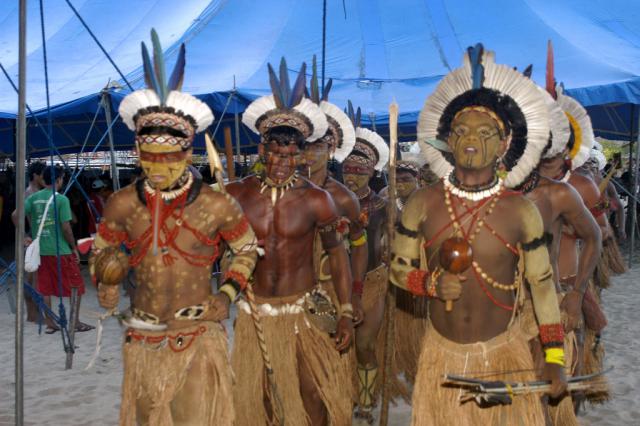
<point>475,140</point>
<point>356,175</point>
<point>406,183</point>
<point>164,169</point>
<point>316,155</point>
<point>281,161</point>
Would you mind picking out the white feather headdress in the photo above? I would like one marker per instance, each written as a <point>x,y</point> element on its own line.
<point>559,124</point>
<point>581,128</point>
<point>507,82</point>
<point>345,129</point>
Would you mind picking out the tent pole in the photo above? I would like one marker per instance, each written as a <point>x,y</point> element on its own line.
<point>106,102</point>
<point>236,120</point>
<point>634,211</point>
<point>324,39</point>
<point>21,146</point>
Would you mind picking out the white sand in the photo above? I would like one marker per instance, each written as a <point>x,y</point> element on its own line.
<point>55,396</point>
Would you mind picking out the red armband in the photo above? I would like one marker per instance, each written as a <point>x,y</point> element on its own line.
<point>237,231</point>
<point>358,288</point>
<point>109,235</point>
<point>236,277</point>
<point>416,282</point>
<point>552,335</point>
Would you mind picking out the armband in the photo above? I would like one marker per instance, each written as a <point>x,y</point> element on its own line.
<point>551,335</point>
<point>329,227</point>
<point>109,235</point>
<point>236,279</point>
<point>231,289</point>
<point>237,231</point>
<point>360,241</point>
<point>346,310</point>
<point>416,282</point>
<point>554,356</point>
<point>535,243</point>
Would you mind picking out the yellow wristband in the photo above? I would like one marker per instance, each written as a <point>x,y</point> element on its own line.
<point>360,240</point>
<point>229,291</point>
<point>554,356</point>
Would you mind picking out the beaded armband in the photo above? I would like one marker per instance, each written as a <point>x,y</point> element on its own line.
<point>364,219</point>
<point>360,241</point>
<point>329,227</point>
<point>111,236</point>
<point>237,231</point>
<point>552,335</point>
<point>234,283</point>
<point>416,282</point>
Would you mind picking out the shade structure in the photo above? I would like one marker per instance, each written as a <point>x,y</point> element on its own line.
<point>376,51</point>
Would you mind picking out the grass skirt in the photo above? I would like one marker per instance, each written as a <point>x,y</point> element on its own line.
<point>294,345</point>
<point>155,375</point>
<point>436,405</point>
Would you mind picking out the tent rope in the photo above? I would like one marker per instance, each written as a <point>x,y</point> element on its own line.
<point>84,24</point>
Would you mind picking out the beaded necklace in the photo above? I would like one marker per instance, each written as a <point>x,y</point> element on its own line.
<point>452,184</point>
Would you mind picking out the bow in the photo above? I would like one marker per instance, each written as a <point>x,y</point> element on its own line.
<point>502,392</point>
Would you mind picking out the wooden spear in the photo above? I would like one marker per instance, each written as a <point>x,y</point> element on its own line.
<point>387,372</point>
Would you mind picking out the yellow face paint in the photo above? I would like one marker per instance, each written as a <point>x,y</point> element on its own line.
<point>163,169</point>
<point>475,140</point>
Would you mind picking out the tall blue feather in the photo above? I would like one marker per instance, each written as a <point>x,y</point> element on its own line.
<point>158,63</point>
<point>477,70</point>
<point>149,74</point>
<point>177,76</point>
<point>327,89</point>
<point>275,88</point>
<point>285,85</point>
<point>297,92</point>
<point>315,91</point>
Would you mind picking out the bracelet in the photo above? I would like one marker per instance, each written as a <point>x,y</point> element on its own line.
<point>346,307</point>
<point>360,241</point>
<point>358,288</point>
<point>554,356</point>
<point>431,291</point>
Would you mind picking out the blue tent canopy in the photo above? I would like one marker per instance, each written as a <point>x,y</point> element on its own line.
<point>376,51</point>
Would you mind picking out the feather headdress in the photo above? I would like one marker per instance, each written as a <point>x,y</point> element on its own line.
<point>162,104</point>
<point>340,133</point>
<point>599,157</point>
<point>581,129</point>
<point>412,159</point>
<point>517,98</point>
<point>369,145</point>
<point>286,106</point>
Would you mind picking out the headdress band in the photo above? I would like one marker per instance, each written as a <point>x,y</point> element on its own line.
<point>482,110</point>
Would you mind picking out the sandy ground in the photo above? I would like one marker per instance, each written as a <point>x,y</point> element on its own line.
<point>55,396</point>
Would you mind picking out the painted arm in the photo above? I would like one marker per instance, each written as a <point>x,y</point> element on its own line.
<point>406,271</point>
<point>539,275</point>
<point>106,251</point>
<point>239,236</point>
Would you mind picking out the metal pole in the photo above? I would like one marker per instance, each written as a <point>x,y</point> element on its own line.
<point>632,200</point>
<point>236,119</point>
<point>21,146</point>
<point>106,102</point>
<point>324,38</point>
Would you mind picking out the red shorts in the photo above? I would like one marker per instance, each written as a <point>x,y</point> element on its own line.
<point>48,275</point>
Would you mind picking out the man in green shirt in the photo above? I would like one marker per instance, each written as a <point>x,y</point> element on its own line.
<point>54,243</point>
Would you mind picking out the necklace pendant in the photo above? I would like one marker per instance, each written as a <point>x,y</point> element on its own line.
<point>274,195</point>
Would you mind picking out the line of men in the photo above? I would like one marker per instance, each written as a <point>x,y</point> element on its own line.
<point>308,269</point>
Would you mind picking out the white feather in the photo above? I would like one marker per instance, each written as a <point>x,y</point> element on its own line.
<point>134,102</point>
<point>378,143</point>
<point>345,146</point>
<point>574,109</point>
<point>317,117</point>
<point>193,107</point>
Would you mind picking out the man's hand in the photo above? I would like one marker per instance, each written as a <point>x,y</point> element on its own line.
<point>108,295</point>
<point>358,310</point>
<point>572,305</point>
<point>27,241</point>
<point>555,373</point>
<point>450,286</point>
<point>76,254</point>
<point>344,333</point>
<point>218,308</point>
